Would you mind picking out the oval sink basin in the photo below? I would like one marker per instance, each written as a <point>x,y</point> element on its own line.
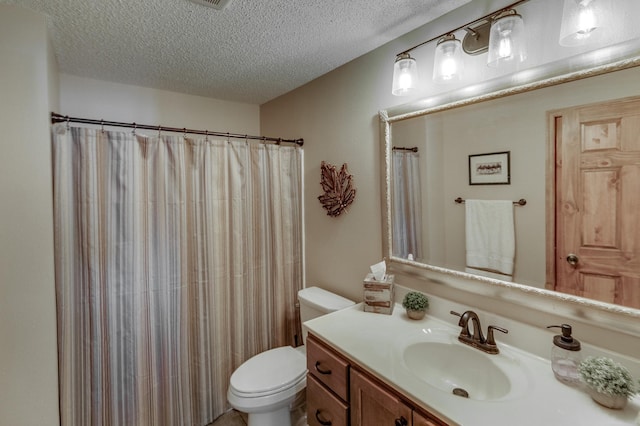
<point>438,359</point>
<point>459,367</point>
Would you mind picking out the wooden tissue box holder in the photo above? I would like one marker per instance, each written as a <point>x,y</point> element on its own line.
<point>378,295</point>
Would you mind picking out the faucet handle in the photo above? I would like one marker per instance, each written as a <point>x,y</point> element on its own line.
<point>462,323</point>
<point>490,339</point>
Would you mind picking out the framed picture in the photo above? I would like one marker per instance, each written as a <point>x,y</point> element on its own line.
<point>490,169</point>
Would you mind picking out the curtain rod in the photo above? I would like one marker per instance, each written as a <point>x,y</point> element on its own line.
<point>465,26</point>
<point>58,118</point>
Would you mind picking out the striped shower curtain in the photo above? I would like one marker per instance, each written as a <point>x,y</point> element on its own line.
<point>407,205</point>
<point>176,260</point>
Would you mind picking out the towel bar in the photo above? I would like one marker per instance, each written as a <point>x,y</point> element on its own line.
<point>520,202</point>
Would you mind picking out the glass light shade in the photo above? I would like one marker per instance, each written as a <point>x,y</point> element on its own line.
<point>405,75</point>
<point>448,63</point>
<point>584,21</point>
<point>507,40</point>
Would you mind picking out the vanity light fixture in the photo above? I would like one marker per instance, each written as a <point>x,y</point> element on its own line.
<point>506,39</point>
<point>405,75</point>
<point>448,63</point>
<point>584,21</point>
<point>500,32</point>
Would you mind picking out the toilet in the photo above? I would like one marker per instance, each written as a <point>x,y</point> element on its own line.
<point>270,386</point>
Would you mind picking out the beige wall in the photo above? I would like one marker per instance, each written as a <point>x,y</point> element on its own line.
<point>28,361</point>
<point>336,116</point>
<point>102,100</point>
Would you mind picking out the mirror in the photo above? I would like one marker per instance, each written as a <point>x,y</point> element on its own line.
<point>447,129</point>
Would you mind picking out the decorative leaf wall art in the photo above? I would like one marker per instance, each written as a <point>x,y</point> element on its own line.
<point>338,189</point>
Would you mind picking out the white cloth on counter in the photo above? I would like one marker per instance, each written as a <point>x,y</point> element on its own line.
<point>490,235</point>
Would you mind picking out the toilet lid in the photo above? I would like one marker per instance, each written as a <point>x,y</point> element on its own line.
<point>269,372</point>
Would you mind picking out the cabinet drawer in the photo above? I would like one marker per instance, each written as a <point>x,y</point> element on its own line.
<point>323,407</point>
<point>328,367</point>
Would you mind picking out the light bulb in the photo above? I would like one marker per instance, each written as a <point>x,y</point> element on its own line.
<point>506,39</point>
<point>448,62</point>
<point>405,75</point>
<point>584,21</point>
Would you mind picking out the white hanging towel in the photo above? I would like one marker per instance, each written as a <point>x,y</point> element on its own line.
<point>490,235</point>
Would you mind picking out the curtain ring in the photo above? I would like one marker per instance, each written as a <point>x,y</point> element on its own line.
<point>102,126</point>
<point>184,132</point>
<point>206,135</point>
<point>135,126</point>
<point>68,119</point>
<point>228,141</point>
<point>246,139</point>
<point>159,131</point>
<point>279,141</point>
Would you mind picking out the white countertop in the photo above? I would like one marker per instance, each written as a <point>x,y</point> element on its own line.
<point>373,341</point>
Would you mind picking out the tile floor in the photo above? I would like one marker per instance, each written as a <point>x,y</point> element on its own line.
<point>231,418</point>
<point>235,418</point>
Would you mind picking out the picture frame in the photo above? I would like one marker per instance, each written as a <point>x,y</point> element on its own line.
<point>492,168</point>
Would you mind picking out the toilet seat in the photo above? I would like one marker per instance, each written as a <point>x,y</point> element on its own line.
<point>269,372</point>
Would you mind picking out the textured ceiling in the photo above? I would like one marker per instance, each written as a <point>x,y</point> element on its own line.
<point>252,51</point>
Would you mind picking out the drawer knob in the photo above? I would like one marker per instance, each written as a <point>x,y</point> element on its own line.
<point>401,421</point>
<point>320,370</point>
<point>322,421</point>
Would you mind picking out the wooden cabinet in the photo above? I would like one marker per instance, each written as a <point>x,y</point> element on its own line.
<point>373,405</point>
<point>323,406</point>
<point>420,420</point>
<point>340,394</point>
<point>327,386</point>
<point>328,367</point>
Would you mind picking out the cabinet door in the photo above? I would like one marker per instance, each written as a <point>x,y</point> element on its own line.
<point>323,407</point>
<point>372,404</point>
<point>420,420</point>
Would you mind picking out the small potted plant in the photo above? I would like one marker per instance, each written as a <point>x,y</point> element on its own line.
<point>609,383</point>
<point>416,304</point>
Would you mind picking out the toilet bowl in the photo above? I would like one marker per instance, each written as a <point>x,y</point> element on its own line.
<point>271,384</point>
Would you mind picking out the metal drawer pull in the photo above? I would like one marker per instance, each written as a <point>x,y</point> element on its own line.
<point>322,422</point>
<point>321,371</point>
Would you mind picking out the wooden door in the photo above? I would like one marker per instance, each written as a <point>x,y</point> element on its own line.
<point>371,404</point>
<point>597,202</point>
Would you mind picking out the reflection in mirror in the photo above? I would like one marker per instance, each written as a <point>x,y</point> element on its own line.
<point>446,140</point>
<point>407,204</point>
<point>519,124</point>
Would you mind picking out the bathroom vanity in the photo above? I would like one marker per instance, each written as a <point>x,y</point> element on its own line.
<point>339,391</point>
<point>367,369</point>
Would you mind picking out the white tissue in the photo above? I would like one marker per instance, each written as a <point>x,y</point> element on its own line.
<point>379,270</point>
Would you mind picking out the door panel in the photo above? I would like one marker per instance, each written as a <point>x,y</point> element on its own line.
<point>371,404</point>
<point>597,202</point>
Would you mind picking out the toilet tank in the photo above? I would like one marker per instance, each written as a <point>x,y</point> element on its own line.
<point>315,302</point>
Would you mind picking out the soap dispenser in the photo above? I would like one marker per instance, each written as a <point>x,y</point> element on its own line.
<point>565,356</point>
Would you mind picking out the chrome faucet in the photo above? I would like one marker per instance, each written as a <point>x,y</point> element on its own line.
<point>477,340</point>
